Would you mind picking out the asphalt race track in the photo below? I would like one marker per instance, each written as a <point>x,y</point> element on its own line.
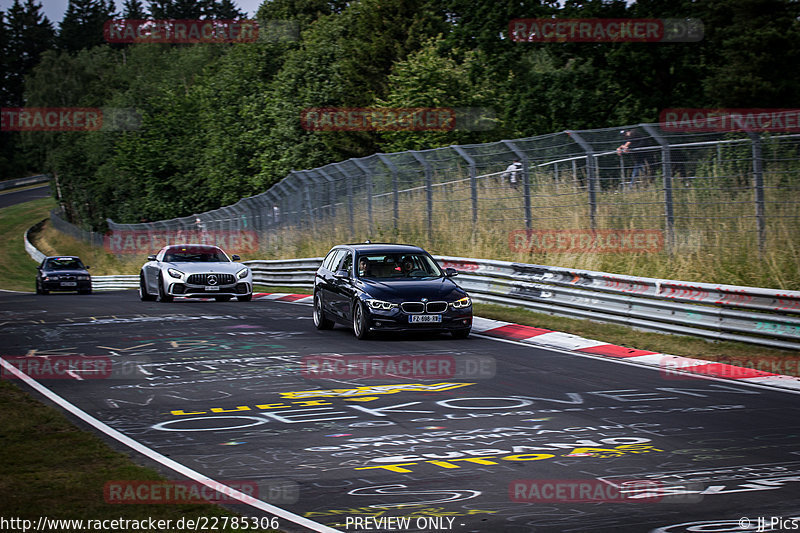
<point>8,199</point>
<point>476,435</point>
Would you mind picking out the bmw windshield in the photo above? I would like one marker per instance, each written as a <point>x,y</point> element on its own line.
<point>397,266</point>
<point>64,263</point>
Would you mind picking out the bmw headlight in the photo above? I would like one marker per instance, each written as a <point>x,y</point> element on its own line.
<point>83,278</point>
<point>242,273</point>
<point>462,303</point>
<point>380,304</point>
<point>177,274</point>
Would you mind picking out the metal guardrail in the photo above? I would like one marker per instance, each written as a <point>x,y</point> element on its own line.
<point>285,272</point>
<point>753,315</point>
<point>34,252</point>
<point>115,283</point>
<point>30,180</point>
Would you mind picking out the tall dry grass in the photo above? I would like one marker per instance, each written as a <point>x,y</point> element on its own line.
<point>715,232</point>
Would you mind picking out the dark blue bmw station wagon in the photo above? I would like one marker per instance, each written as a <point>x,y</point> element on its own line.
<point>389,287</point>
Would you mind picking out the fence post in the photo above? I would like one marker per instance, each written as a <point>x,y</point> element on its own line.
<point>758,185</point>
<point>473,181</point>
<point>395,189</point>
<point>591,174</point>
<point>428,191</point>
<point>368,179</point>
<point>666,165</point>
<point>526,188</point>
<point>331,191</point>
<point>305,195</point>
<point>348,179</point>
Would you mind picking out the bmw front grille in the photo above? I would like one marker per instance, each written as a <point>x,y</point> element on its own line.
<point>422,307</point>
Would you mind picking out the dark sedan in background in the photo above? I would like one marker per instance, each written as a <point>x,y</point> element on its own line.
<point>389,287</point>
<point>63,273</point>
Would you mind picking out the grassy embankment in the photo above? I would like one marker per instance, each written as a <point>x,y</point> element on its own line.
<point>51,467</point>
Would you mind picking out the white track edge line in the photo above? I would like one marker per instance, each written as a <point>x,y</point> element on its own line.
<point>608,359</point>
<point>165,461</point>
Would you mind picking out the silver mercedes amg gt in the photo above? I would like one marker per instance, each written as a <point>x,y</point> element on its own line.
<point>194,271</point>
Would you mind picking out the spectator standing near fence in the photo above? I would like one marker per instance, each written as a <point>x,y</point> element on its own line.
<point>513,173</point>
<point>633,140</point>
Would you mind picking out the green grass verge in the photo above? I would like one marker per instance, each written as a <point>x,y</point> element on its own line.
<point>19,270</point>
<point>51,468</point>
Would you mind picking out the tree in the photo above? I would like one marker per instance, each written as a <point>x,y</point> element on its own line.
<point>223,10</point>
<point>27,34</point>
<point>83,23</point>
<point>752,44</point>
<point>133,10</point>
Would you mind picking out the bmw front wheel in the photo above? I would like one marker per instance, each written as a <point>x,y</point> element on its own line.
<point>319,315</point>
<point>360,325</point>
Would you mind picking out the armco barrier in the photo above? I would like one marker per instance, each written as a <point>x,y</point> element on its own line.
<point>34,252</point>
<point>767,317</point>
<point>114,283</point>
<point>30,180</point>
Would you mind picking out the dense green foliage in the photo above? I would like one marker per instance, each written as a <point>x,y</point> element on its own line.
<point>222,121</point>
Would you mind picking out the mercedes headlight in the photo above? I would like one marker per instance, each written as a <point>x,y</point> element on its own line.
<point>380,304</point>
<point>177,274</point>
<point>462,303</point>
<point>242,273</point>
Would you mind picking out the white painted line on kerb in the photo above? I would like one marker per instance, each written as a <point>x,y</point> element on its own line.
<point>166,461</point>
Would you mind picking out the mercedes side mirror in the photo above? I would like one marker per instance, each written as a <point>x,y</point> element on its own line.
<point>151,258</point>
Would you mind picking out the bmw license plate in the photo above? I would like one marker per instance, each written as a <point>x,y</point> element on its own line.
<point>424,319</point>
<point>212,288</point>
<point>68,283</point>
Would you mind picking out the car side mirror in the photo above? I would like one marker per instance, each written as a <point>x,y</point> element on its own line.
<point>341,274</point>
<point>450,272</point>
<point>151,258</point>
<point>235,257</point>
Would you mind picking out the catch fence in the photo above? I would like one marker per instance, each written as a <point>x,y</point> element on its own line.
<point>701,191</point>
